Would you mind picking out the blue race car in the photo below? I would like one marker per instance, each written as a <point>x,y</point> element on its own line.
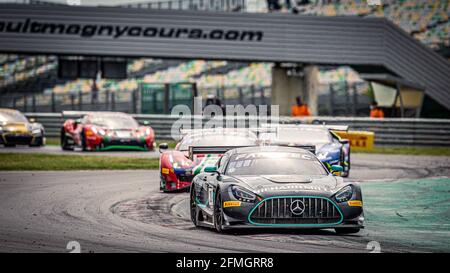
<point>318,139</point>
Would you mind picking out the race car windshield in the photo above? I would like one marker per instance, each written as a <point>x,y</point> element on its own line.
<point>274,163</point>
<point>115,122</point>
<point>12,116</point>
<point>233,140</point>
<point>299,135</point>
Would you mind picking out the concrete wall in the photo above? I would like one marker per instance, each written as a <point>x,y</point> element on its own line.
<point>286,88</point>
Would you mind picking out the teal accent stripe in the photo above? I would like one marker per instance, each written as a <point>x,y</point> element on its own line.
<point>295,225</point>
<point>199,203</point>
<point>123,147</point>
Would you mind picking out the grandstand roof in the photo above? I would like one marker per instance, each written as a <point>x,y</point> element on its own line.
<point>351,41</point>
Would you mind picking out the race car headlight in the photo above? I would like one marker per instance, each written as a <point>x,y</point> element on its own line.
<point>242,194</point>
<point>344,194</point>
<point>322,155</point>
<point>98,131</point>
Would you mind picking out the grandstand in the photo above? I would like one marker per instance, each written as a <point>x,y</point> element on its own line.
<point>427,21</point>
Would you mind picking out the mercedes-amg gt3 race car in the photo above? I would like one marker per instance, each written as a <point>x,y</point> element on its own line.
<point>196,150</point>
<point>271,187</point>
<point>16,129</point>
<point>106,131</point>
<point>319,139</point>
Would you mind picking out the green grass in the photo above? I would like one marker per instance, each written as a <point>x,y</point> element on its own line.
<point>53,141</point>
<point>45,162</point>
<point>441,151</point>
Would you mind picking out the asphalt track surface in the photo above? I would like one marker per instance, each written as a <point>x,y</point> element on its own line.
<point>123,211</point>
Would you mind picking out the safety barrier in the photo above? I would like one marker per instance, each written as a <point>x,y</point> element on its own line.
<point>402,132</point>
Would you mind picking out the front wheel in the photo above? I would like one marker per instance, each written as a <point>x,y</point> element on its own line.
<point>83,141</point>
<point>65,142</point>
<point>218,213</point>
<point>346,230</point>
<point>193,207</point>
<point>40,141</point>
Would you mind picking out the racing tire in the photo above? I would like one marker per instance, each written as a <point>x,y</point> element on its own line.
<point>65,146</point>
<point>346,230</point>
<point>83,141</point>
<point>218,213</point>
<point>193,209</point>
<point>39,142</point>
<point>162,184</point>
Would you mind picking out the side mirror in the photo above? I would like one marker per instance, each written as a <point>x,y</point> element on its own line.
<point>32,120</point>
<point>163,147</point>
<point>212,169</point>
<point>344,141</point>
<point>146,122</point>
<point>336,169</point>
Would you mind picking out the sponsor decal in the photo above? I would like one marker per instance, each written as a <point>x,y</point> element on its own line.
<point>165,171</point>
<point>228,204</point>
<point>30,26</point>
<point>292,188</point>
<point>355,203</point>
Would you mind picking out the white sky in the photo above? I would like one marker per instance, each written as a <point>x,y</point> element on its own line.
<point>252,5</point>
<point>91,2</point>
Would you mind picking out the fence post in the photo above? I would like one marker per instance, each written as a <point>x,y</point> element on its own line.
<point>166,98</point>
<point>72,102</point>
<point>134,101</point>
<point>331,100</point>
<point>241,96</point>
<point>53,102</point>
<point>252,90</point>
<point>80,101</point>
<point>33,101</point>
<point>263,97</point>
<point>25,104</point>
<point>355,100</point>
<point>113,101</point>
<point>107,100</point>
<point>347,98</point>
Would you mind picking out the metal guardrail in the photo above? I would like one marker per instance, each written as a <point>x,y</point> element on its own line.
<point>392,131</point>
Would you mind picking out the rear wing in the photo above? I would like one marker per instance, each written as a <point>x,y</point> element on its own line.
<point>310,148</point>
<point>79,114</point>
<point>210,150</point>
<point>342,128</point>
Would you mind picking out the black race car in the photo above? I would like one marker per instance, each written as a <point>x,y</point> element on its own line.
<point>274,186</point>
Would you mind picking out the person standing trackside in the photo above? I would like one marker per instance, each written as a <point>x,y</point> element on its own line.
<point>375,111</point>
<point>300,109</point>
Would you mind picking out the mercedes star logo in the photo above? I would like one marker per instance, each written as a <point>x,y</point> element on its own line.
<point>297,207</point>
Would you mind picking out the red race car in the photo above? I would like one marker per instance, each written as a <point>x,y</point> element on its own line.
<point>196,150</point>
<point>96,131</point>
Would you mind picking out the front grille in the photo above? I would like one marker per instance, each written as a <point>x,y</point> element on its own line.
<point>277,211</point>
<point>185,178</point>
<point>20,140</point>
